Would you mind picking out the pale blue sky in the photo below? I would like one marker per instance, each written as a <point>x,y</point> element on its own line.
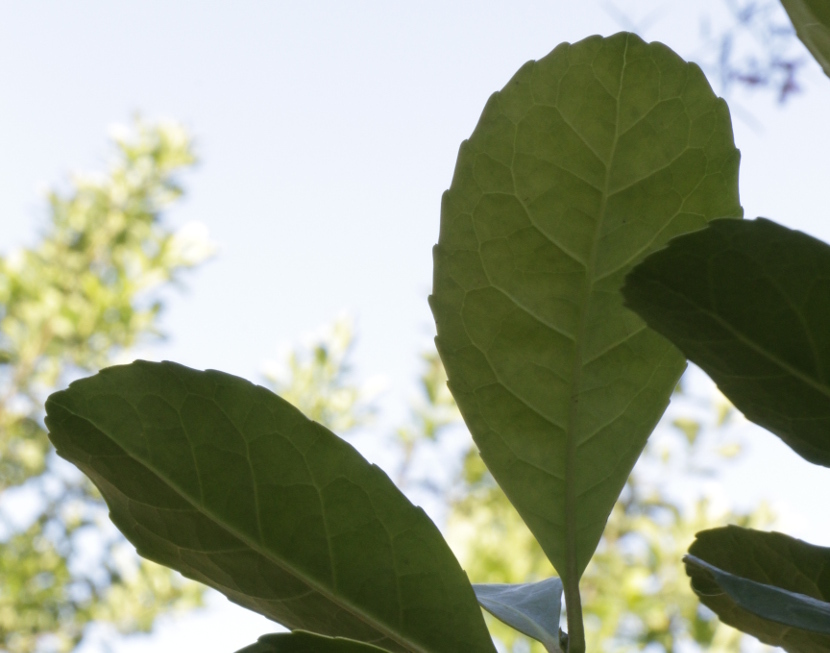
<point>327,132</point>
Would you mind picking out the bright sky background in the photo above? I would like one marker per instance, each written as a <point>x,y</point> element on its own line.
<point>327,133</point>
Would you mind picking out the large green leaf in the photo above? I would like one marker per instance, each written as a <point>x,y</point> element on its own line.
<point>769,585</point>
<point>588,159</point>
<point>302,642</point>
<point>531,608</point>
<point>811,19</point>
<point>749,302</point>
<point>234,487</point>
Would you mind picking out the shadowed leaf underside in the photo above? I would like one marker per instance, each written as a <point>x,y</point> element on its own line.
<point>769,585</point>
<point>531,608</point>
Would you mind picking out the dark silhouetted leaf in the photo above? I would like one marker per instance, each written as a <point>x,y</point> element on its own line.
<point>811,19</point>
<point>749,302</point>
<point>769,585</point>
<point>588,159</point>
<point>531,608</point>
<point>226,482</point>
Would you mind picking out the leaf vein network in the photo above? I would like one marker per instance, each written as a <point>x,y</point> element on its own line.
<point>188,394</point>
<point>518,397</point>
<point>651,173</point>
<point>254,485</point>
<point>615,345</point>
<point>640,251</point>
<point>514,300</point>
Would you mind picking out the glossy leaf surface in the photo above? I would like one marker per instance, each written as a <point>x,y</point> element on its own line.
<point>234,487</point>
<point>304,642</point>
<point>811,19</point>
<point>531,608</point>
<point>769,585</point>
<point>749,302</point>
<point>588,159</point>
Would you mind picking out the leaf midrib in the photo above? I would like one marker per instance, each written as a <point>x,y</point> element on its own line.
<point>578,363</point>
<point>345,605</point>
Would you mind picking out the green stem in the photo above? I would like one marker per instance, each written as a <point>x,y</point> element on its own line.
<point>573,605</point>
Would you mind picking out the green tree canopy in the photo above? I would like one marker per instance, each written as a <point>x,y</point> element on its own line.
<point>84,293</point>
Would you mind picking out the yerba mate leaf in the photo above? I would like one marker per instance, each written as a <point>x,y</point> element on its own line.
<point>303,642</point>
<point>811,19</point>
<point>588,159</point>
<point>227,483</point>
<point>531,608</point>
<point>749,302</point>
<point>769,585</point>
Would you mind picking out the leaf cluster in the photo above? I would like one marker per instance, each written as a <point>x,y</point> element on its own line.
<point>602,178</point>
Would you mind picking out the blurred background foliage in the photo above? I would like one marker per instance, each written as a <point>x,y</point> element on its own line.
<point>88,290</point>
<point>94,285</point>
<point>315,377</point>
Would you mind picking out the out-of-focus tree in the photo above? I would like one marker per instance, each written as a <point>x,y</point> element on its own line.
<point>315,377</point>
<point>80,297</point>
<point>758,50</point>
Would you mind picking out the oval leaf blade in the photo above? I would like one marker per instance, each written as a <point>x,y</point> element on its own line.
<point>769,585</point>
<point>232,486</point>
<point>585,162</point>
<point>303,642</point>
<point>531,608</point>
<point>811,19</point>
<point>749,303</point>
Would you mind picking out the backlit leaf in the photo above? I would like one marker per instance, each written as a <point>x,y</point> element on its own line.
<point>231,485</point>
<point>769,585</point>
<point>588,159</point>
<point>749,302</point>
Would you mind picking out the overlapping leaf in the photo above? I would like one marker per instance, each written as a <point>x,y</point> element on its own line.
<point>749,302</point>
<point>811,19</point>
<point>769,585</point>
<point>226,482</point>
<point>304,642</point>
<point>531,608</point>
<point>588,159</point>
